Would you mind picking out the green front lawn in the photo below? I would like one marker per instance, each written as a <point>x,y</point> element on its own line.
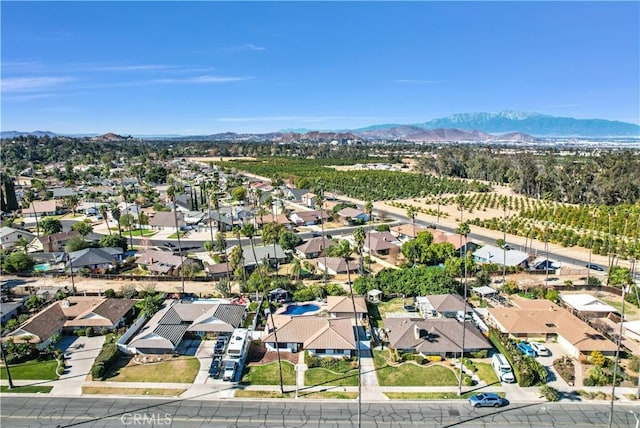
<point>410,374</point>
<point>32,370</point>
<point>145,232</point>
<point>486,373</point>
<point>28,389</point>
<point>318,376</point>
<point>379,312</point>
<point>175,235</point>
<point>269,374</point>
<point>178,370</point>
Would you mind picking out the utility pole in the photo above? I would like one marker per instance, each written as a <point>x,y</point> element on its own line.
<point>6,366</point>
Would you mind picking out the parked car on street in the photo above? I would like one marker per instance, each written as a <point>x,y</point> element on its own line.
<point>594,267</point>
<point>526,349</point>
<point>487,399</point>
<point>540,349</point>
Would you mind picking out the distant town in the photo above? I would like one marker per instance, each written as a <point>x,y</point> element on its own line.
<point>320,266</point>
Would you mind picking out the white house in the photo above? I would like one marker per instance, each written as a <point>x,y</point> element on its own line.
<point>9,236</point>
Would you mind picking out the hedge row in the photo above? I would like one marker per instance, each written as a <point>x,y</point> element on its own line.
<point>104,360</point>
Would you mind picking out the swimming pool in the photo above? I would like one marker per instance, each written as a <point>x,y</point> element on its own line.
<point>41,267</point>
<point>295,309</point>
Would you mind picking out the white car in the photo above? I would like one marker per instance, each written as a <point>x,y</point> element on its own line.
<point>540,349</point>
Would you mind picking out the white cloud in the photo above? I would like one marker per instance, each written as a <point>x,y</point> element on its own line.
<point>203,79</point>
<point>29,84</point>
<point>252,47</point>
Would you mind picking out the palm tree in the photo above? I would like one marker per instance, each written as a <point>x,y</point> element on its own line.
<point>103,212</point>
<point>237,232</point>
<point>593,228</point>
<point>127,196</point>
<point>461,202</point>
<point>411,213</point>
<point>359,237</point>
<point>344,250</point>
<point>171,193</point>
<point>504,203</point>
<point>115,213</point>
<point>369,211</point>
<point>72,203</point>
<point>464,230</point>
<point>295,269</point>
<point>320,205</point>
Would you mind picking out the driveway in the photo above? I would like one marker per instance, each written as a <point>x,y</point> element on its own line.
<point>80,353</point>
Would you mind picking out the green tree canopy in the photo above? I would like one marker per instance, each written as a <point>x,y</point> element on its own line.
<point>83,227</point>
<point>114,241</point>
<point>18,262</point>
<point>50,225</point>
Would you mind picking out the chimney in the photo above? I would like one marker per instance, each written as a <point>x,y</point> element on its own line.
<point>416,331</point>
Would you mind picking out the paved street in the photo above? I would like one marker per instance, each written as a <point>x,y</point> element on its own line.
<point>118,412</point>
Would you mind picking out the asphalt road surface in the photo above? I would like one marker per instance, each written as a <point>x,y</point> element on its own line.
<point>118,412</point>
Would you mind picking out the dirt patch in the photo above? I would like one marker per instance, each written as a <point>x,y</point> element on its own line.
<point>259,355</point>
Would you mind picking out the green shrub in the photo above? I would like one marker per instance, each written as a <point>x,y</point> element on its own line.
<point>80,332</point>
<point>483,353</point>
<point>311,360</point>
<point>467,380</point>
<point>104,331</point>
<point>89,332</point>
<point>109,293</point>
<point>588,382</point>
<point>551,394</point>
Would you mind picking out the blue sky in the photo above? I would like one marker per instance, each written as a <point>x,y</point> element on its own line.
<point>204,67</point>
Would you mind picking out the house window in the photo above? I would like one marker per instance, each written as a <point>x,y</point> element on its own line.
<point>320,351</point>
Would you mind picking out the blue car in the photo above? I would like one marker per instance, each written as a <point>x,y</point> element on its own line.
<point>487,399</point>
<point>526,349</point>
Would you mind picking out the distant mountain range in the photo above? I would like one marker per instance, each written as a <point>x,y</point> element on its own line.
<point>502,126</point>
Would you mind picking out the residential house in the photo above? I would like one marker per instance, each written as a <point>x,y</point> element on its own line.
<point>273,253</point>
<point>406,232</point>
<point>9,236</point>
<point>381,243</point>
<point>166,329</point>
<point>166,220</point>
<point>352,215</point>
<point>220,222</point>
<point>320,336</point>
<point>442,305</point>
<point>71,314</point>
<point>56,242</point>
<point>544,320</point>
<point>308,218</point>
<point>42,209</point>
<point>336,265</point>
<point>314,247</point>
<point>261,220</point>
<point>63,192</point>
<point>10,309</point>
<point>342,306</point>
<point>220,270</point>
<point>441,336</point>
<point>294,195</point>
<point>456,240</point>
<point>160,262</point>
<point>500,256</point>
<point>95,259</point>
<point>587,306</point>
<point>309,199</point>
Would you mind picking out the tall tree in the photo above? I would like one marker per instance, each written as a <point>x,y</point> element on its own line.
<point>104,211</point>
<point>359,237</point>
